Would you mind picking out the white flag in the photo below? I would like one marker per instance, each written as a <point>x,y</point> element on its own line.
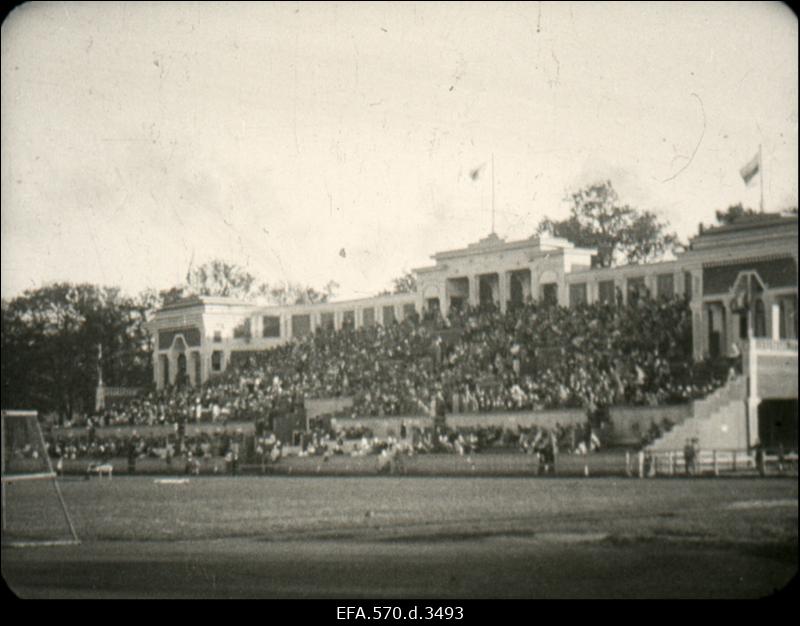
<point>751,169</point>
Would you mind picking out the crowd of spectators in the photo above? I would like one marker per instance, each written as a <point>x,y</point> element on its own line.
<point>478,359</point>
<point>87,445</point>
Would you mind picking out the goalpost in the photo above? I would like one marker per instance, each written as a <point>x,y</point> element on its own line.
<point>34,511</point>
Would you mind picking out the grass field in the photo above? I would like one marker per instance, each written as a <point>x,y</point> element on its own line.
<point>284,536</point>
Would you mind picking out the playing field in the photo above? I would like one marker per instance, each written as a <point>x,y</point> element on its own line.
<point>382,537</point>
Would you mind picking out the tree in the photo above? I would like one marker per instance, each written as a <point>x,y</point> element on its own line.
<point>734,213</point>
<point>295,293</point>
<point>50,338</point>
<point>407,283</point>
<point>171,296</point>
<point>221,278</point>
<point>618,231</point>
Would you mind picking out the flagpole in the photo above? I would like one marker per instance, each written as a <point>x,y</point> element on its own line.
<point>761,176</point>
<point>493,193</point>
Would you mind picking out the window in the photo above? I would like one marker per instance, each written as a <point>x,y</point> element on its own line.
<point>368,316</point>
<point>327,321</point>
<point>242,331</point>
<point>577,294</point>
<point>687,285</point>
<point>388,315</point>
<point>216,361</point>
<point>606,291</point>
<point>349,319</point>
<point>636,289</point>
<point>409,311</point>
<point>665,286</point>
<point>217,336</point>
<point>271,326</point>
<point>301,325</point>
<point>550,293</point>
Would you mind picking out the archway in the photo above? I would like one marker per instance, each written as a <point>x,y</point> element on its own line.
<point>181,367</point>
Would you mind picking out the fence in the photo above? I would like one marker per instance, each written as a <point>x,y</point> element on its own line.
<point>708,462</point>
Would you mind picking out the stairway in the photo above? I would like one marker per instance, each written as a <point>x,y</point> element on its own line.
<point>718,421</point>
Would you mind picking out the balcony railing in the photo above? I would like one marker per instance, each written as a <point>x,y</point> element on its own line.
<point>763,344</point>
<point>775,345</point>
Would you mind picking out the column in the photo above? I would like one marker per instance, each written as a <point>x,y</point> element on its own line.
<point>474,296</point>
<point>731,328</point>
<point>504,279</point>
<point>173,367</point>
<point>562,290</point>
<point>753,401</point>
<point>158,375</point>
<point>651,283</point>
<point>699,334</point>
<point>774,320</point>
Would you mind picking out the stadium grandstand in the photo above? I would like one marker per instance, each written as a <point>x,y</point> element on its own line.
<point>518,343</point>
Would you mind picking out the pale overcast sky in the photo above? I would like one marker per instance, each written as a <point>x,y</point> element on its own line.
<point>139,136</point>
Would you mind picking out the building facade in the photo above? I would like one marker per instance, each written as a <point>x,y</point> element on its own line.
<point>741,281</point>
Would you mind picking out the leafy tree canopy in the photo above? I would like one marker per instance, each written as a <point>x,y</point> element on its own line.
<point>620,233</point>
<point>52,338</point>
<point>407,283</point>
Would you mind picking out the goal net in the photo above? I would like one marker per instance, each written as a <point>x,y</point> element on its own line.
<point>34,512</point>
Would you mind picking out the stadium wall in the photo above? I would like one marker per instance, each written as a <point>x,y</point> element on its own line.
<point>627,423</point>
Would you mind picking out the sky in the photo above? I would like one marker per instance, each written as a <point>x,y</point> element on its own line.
<point>309,142</point>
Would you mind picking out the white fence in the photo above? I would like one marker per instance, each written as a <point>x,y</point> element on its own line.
<point>673,463</point>
<point>707,462</point>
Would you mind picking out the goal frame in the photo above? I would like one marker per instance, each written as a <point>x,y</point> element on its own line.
<point>50,474</point>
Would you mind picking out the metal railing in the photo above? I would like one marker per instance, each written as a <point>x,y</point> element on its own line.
<point>674,463</point>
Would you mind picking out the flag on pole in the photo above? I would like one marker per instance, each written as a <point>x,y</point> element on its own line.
<point>753,167</point>
<point>474,174</point>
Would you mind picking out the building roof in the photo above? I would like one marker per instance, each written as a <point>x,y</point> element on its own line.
<point>749,223</point>
<point>195,300</point>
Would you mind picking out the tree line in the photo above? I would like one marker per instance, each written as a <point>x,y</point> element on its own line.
<point>57,339</point>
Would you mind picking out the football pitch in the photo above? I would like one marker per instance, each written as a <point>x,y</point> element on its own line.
<point>416,537</point>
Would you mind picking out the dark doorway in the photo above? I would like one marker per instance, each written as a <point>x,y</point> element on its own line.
<point>714,339</point>
<point>182,376</point>
<point>550,294</point>
<point>777,424</point>
<point>516,290</point>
